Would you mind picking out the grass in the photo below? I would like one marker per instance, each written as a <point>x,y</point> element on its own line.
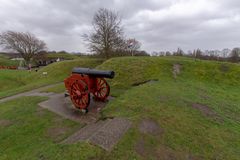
<point>169,102</point>
<point>5,61</point>
<point>33,133</point>
<point>186,130</point>
<point>15,81</point>
<point>188,133</point>
<point>59,88</point>
<point>134,70</point>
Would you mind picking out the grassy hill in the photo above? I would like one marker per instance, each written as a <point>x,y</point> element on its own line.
<point>198,110</point>
<point>195,104</point>
<point>132,71</point>
<point>15,81</point>
<point>5,61</point>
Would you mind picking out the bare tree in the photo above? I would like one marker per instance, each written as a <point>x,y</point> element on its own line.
<point>235,55</point>
<point>155,53</point>
<point>26,44</point>
<point>133,45</point>
<point>107,33</point>
<point>179,52</point>
<point>197,54</point>
<point>168,53</point>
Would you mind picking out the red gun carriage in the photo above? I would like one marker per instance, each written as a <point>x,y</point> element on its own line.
<point>84,81</point>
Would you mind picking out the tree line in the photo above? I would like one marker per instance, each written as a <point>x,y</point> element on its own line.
<point>232,56</point>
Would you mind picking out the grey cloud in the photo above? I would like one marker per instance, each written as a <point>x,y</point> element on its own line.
<point>159,25</point>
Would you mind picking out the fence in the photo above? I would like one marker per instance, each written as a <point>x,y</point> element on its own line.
<point>8,67</point>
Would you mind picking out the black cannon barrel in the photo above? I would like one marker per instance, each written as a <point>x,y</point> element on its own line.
<point>94,72</point>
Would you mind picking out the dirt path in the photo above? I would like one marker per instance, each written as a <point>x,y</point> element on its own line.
<point>176,70</point>
<point>34,92</point>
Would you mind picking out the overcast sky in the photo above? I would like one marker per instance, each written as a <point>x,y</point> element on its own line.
<point>159,25</point>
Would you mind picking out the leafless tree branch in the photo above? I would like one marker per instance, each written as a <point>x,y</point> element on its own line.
<point>25,43</point>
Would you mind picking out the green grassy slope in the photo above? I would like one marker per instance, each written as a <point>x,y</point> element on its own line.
<point>14,81</point>
<point>134,70</point>
<point>187,132</point>
<point>5,61</point>
<point>169,101</point>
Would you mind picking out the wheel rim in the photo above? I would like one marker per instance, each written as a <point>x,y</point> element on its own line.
<point>102,89</point>
<point>79,94</point>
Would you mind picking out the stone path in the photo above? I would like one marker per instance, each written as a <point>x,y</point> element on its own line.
<point>34,92</point>
<point>103,133</point>
<point>63,106</point>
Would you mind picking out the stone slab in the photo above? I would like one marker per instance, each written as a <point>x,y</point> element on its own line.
<point>111,133</point>
<point>85,133</point>
<point>63,106</point>
<point>105,134</point>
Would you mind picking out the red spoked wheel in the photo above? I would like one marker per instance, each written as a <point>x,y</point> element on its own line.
<point>80,95</point>
<point>102,89</point>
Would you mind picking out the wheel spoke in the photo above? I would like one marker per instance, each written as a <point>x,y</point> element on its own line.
<point>100,82</point>
<point>101,94</point>
<point>101,88</point>
<point>74,87</point>
<point>78,88</point>
<point>80,101</point>
<point>76,100</point>
<point>84,100</point>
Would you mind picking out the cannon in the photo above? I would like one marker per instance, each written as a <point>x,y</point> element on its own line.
<point>85,81</point>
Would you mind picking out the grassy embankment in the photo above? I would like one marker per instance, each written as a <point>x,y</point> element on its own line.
<point>5,61</point>
<point>188,133</point>
<point>15,81</point>
<point>211,134</point>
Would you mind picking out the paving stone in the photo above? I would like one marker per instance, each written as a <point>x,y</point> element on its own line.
<point>85,133</point>
<point>110,134</point>
<point>105,134</point>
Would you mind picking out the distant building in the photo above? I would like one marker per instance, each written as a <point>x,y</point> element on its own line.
<point>47,61</point>
<point>17,59</point>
